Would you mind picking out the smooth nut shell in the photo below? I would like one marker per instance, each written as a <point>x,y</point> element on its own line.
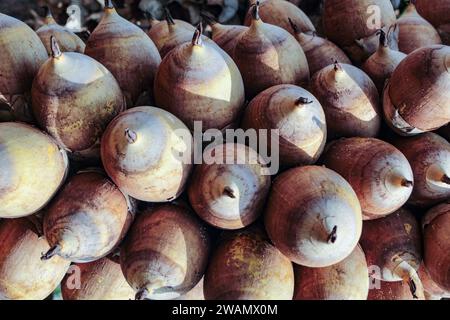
<point>88,218</point>
<point>348,24</point>
<point>304,207</point>
<point>166,252</point>
<point>415,32</point>
<point>100,280</point>
<point>320,52</point>
<point>433,291</point>
<point>390,241</point>
<point>21,56</point>
<point>350,101</point>
<point>200,83</point>
<point>226,36</point>
<point>32,169</point>
<point>436,240</point>
<point>268,55</point>
<point>74,99</point>
<point>167,36</point>
<point>125,50</point>
<point>159,30</point>
<point>346,280</point>
<point>23,275</point>
<point>241,174</point>
<point>380,65</point>
<point>151,168</point>
<point>376,170</point>
<point>67,40</point>
<point>429,156</point>
<point>276,12</point>
<point>417,98</point>
<point>246,266</point>
<point>437,12</point>
<point>302,128</point>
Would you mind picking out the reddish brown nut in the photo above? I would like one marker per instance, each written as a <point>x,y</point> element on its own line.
<point>247,266</point>
<point>231,192</point>
<point>165,253</point>
<point>345,280</point>
<point>429,156</point>
<point>313,216</point>
<point>378,172</point>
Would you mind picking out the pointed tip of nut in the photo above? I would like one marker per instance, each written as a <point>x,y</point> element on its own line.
<point>332,237</point>
<point>302,101</point>
<point>336,65</point>
<point>53,251</point>
<point>197,38</point>
<point>47,11</point>
<point>56,51</point>
<point>169,17</point>
<point>382,36</point>
<point>229,192</point>
<point>142,294</point>
<point>109,4</point>
<point>293,26</point>
<point>130,135</point>
<point>445,179</point>
<point>407,183</point>
<point>255,11</point>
